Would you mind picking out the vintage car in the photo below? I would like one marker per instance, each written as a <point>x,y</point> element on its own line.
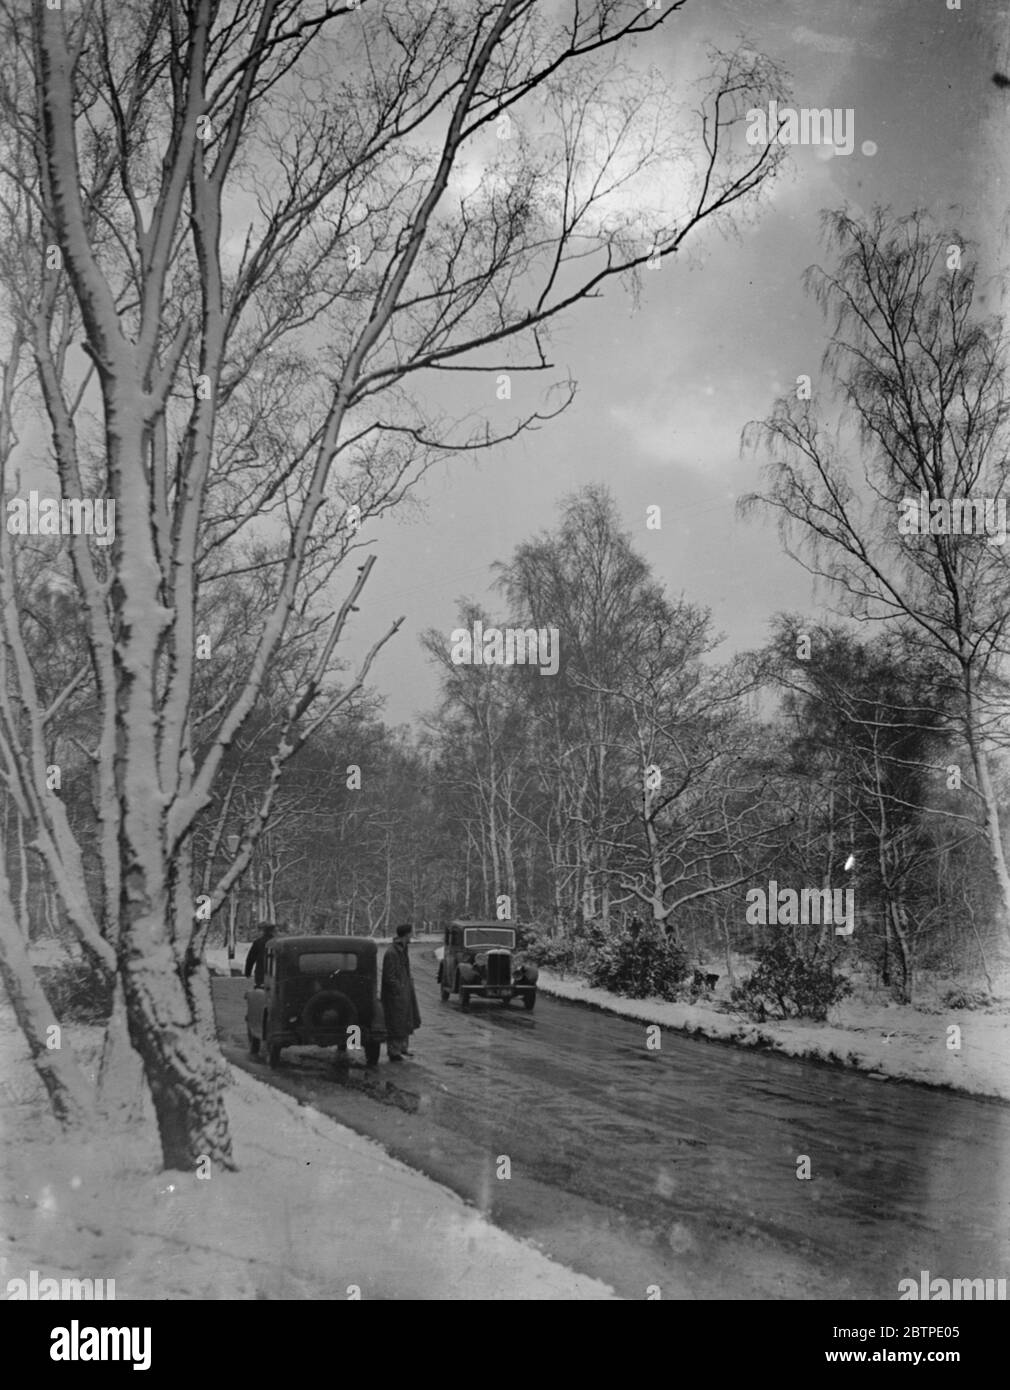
<point>478,959</point>
<point>315,990</point>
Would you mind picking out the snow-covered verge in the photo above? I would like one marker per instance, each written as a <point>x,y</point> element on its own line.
<point>315,1212</point>
<point>883,1039</point>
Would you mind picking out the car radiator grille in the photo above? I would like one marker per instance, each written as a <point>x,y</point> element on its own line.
<point>499,968</point>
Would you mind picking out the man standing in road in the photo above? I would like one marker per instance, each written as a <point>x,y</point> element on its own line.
<point>399,1000</point>
<point>256,960</point>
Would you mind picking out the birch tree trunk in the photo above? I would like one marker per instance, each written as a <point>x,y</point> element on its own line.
<point>70,1094</point>
<point>507,851</point>
<point>993,831</point>
<point>469,855</point>
<point>23,902</point>
<point>123,1093</point>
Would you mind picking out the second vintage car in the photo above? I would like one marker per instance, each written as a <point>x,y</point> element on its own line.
<point>316,989</point>
<point>478,960</point>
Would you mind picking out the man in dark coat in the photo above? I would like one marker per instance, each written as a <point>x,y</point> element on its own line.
<point>399,1000</point>
<point>256,960</point>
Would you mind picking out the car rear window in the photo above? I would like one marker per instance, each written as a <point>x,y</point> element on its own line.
<point>325,962</point>
<point>489,936</point>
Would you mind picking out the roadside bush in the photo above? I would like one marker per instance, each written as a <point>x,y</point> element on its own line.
<point>640,966</point>
<point>551,950</point>
<point>787,984</point>
<point>961,998</point>
<point>566,949</point>
<point>77,994</point>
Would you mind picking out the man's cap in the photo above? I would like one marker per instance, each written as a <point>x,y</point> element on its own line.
<point>404,929</point>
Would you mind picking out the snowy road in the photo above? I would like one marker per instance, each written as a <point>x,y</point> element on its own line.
<point>676,1167</point>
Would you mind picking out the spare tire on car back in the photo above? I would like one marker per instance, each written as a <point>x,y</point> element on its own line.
<point>328,1012</point>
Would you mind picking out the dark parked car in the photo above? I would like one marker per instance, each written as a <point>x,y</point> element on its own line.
<point>315,989</point>
<point>478,958</point>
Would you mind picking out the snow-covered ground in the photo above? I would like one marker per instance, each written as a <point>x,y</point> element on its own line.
<point>884,1039</point>
<point>316,1211</point>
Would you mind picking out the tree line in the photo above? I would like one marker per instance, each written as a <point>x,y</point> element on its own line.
<point>647,780</point>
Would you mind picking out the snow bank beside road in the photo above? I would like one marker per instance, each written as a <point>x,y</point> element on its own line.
<point>884,1040</point>
<point>315,1210</point>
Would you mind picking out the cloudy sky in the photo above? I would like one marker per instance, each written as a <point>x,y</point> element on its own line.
<point>665,388</point>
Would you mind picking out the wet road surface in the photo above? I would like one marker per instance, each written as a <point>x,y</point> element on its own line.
<point>676,1167</point>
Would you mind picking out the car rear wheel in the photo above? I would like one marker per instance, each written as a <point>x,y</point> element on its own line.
<point>254,1043</point>
<point>274,1055</point>
<point>506,1000</point>
<point>529,1000</point>
<point>444,993</point>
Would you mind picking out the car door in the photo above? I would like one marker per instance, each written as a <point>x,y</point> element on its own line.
<point>255,1001</point>
<point>273,987</point>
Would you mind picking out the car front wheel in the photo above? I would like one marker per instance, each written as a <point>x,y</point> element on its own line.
<point>274,1055</point>
<point>530,1001</point>
<point>373,1051</point>
<point>254,1043</point>
<point>464,998</point>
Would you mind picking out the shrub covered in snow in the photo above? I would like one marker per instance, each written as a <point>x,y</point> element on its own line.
<point>788,984</point>
<point>553,950</point>
<point>565,949</point>
<point>961,997</point>
<point>643,964</point>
